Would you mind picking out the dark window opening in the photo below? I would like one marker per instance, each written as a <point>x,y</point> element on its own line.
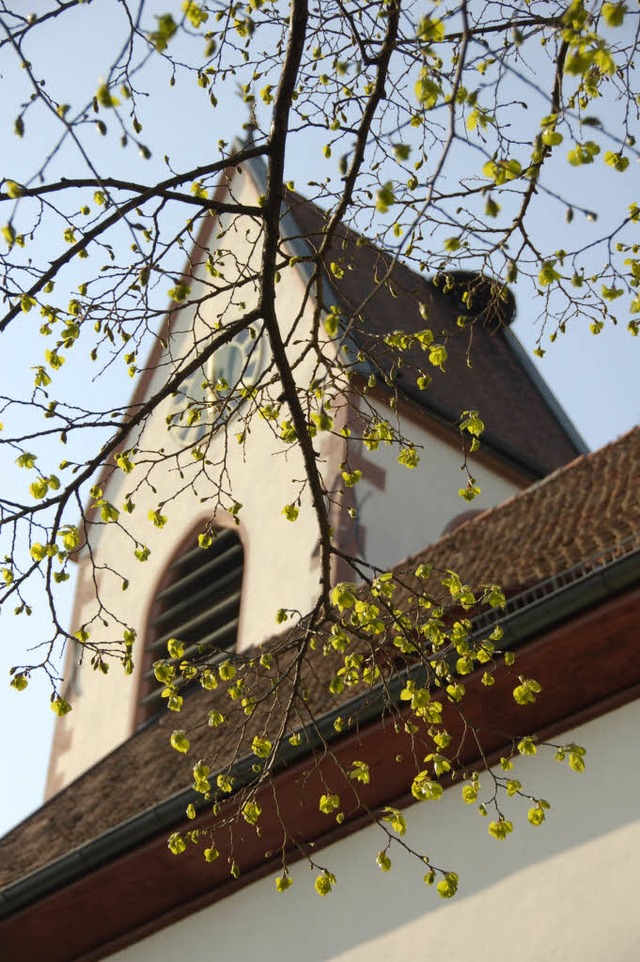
<point>199,604</point>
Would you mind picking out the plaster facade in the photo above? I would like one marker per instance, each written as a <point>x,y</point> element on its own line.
<point>412,507</point>
<point>262,474</point>
<point>397,510</point>
<point>566,890</point>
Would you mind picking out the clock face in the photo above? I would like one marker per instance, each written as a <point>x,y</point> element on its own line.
<point>213,392</point>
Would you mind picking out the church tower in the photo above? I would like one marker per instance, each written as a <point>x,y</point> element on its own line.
<point>210,532</point>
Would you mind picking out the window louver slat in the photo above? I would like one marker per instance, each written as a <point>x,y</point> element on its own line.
<point>231,558</point>
<point>199,605</point>
<point>188,630</point>
<point>218,641</point>
<point>202,600</point>
<point>193,557</point>
<point>153,700</point>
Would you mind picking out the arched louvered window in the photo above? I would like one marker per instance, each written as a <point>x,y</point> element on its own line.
<point>199,604</point>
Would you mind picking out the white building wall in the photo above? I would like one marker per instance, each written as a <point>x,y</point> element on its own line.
<point>281,563</point>
<point>416,504</point>
<point>567,890</point>
<point>263,475</point>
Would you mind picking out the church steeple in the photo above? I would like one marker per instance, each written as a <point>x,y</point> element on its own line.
<point>245,487</point>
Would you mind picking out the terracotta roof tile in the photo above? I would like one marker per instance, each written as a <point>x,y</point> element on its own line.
<point>552,526</point>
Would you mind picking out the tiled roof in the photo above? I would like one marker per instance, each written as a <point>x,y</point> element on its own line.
<point>584,509</point>
<point>486,368</point>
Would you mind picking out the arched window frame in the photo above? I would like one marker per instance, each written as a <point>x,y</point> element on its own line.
<point>210,629</point>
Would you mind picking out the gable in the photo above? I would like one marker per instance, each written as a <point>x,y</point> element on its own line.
<point>175,493</point>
